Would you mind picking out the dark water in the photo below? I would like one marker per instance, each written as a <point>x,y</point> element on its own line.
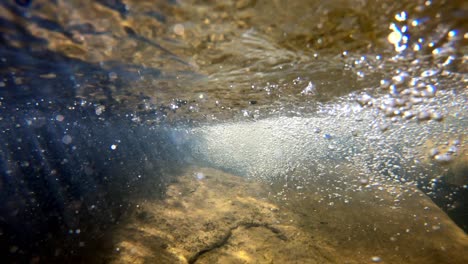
<point>97,97</point>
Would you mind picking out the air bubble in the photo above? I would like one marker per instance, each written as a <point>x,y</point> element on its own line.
<point>443,158</point>
<point>364,99</point>
<point>112,76</point>
<point>416,100</point>
<point>389,111</point>
<point>99,109</point>
<point>431,89</point>
<point>434,152</point>
<point>393,89</point>
<point>363,181</point>
<point>401,16</point>
<point>400,78</point>
<point>179,29</point>
<point>452,149</point>
<point>67,139</point>
<point>452,34</point>
<point>437,116</point>
<point>423,115</point>
<point>429,73</point>
<point>384,127</point>
<point>408,115</point>
<point>384,83</point>
<point>309,89</point>
<point>400,101</point>
<point>59,118</point>
<point>200,175</point>
<point>390,102</point>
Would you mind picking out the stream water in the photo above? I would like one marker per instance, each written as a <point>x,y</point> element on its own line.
<point>105,103</point>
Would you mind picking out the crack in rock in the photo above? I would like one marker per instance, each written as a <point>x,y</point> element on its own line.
<point>221,242</point>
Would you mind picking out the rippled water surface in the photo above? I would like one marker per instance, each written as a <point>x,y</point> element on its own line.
<point>336,125</point>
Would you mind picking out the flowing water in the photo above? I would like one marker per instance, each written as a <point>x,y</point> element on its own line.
<point>213,131</point>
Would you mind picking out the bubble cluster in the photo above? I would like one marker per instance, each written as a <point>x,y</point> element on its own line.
<point>407,98</point>
<point>444,157</point>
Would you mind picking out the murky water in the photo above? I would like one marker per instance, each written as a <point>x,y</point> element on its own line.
<point>343,124</point>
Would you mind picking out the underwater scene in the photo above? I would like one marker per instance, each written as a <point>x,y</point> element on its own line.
<point>248,131</point>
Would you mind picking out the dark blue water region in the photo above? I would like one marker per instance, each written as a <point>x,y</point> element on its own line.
<point>68,174</point>
<point>72,157</point>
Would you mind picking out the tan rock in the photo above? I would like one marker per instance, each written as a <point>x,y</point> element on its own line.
<point>209,216</point>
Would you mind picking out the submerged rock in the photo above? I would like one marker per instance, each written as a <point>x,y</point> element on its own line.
<point>230,219</point>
